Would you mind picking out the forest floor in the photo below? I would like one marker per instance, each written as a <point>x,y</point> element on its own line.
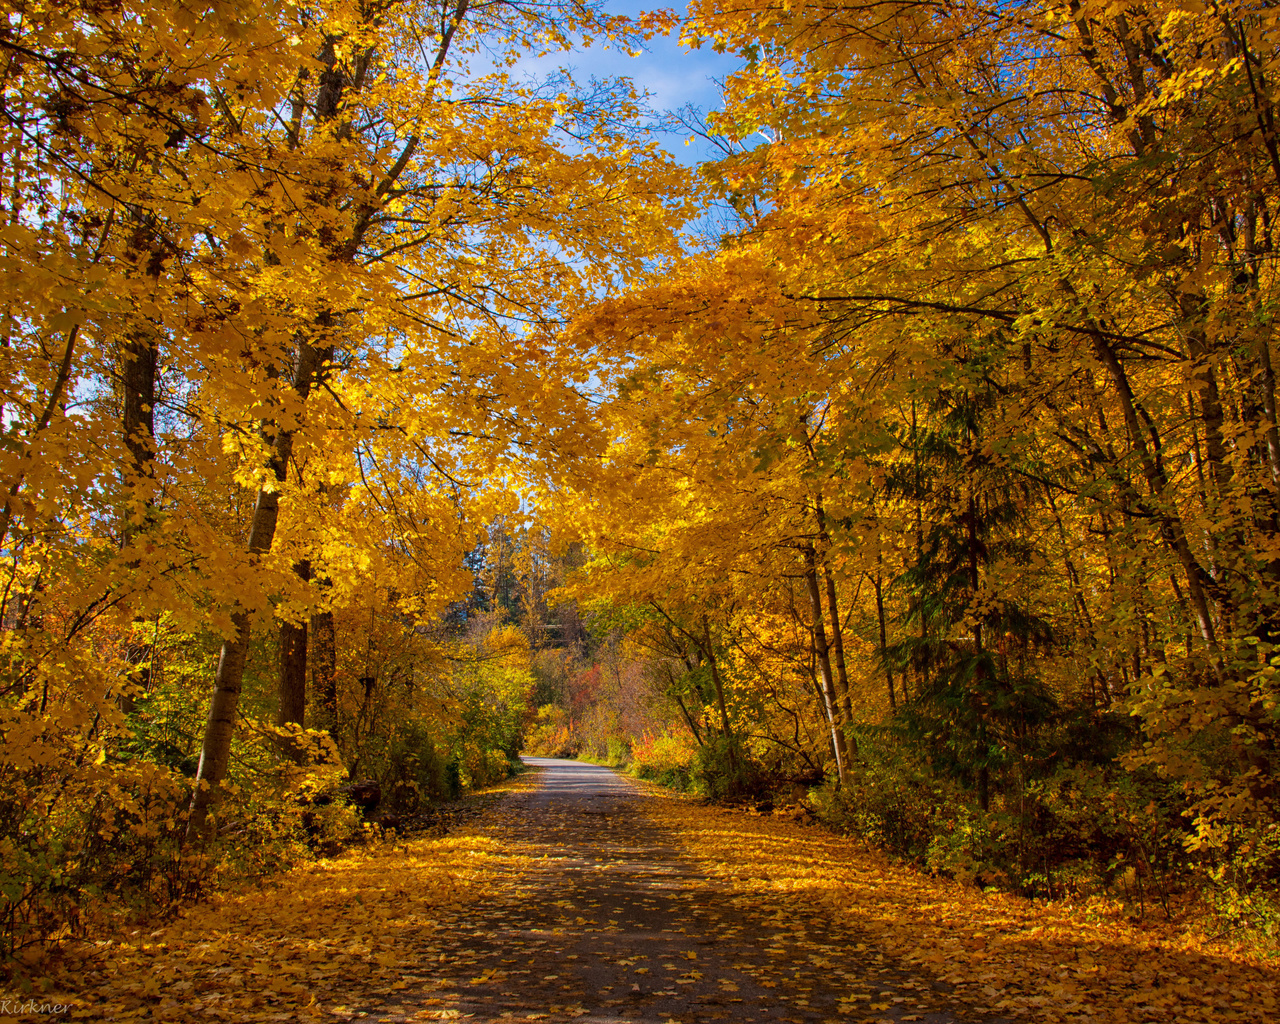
<point>582,896</point>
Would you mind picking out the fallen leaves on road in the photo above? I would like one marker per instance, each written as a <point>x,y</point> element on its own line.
<point>1000,954</point>
<point>791,923</point>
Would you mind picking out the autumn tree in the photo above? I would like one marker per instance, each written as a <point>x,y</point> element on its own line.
<point>282,285</point>
<point>1038,232</point>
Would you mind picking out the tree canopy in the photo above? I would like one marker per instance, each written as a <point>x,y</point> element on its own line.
<point>371,410</point>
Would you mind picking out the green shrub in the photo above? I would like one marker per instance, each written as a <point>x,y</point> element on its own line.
<point>1128,825</point>
<point>667,759</point>
<point>619,752</point>
<point>889,799</point>
<point>1243,890</point>
<point>418,770</point>
<point>724,770</point>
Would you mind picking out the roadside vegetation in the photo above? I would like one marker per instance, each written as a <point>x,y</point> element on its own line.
<point>369,413</point>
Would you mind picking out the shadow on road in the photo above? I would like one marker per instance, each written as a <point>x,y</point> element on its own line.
<point>613,923</point>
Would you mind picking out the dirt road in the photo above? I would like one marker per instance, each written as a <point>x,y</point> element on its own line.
<point>614,923</point>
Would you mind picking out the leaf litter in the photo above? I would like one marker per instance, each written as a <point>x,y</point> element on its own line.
<point>998,953</point>
<point>659,909</point>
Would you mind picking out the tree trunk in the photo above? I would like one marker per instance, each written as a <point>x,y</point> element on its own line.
<point>1267,385</point>
<point>1172,529</point>
<point>917,598</point>
<point>693,726</point>
<point>138,379</point>
<point>837,650</point>
<point>980,673</point>
<point>323,656</point>
<point>291,687</point>
<point>292,690</point>
<point>715,679</point>
<point>824,660</point>
<point>215,750</point>
<point>833,610</point>
<point>1191,306</point>
<point>139,358</point>
<point>884,647</point>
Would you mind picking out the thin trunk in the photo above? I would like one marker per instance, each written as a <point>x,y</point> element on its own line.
<point>823,653</point>
<point>1142,641</point>
<point>322,650</point>
<point>918,596</point>
<point>1268,388</point>
<point>693,726</point>
<point>1073,576</point>
<point>1191,305</point>
<point>53,403</point>
<point>291,706</point>
<point>215,750</point>
<point>1172,529</point>
<point>833,611</point>
<point>715,679</point>
<point>837,651</point>
<point>1113,586</point>
<point>323,657</point>
<point>980,673</point>
<point>884,646</point>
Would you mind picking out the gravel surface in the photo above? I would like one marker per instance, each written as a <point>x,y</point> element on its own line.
<point>613,923</point>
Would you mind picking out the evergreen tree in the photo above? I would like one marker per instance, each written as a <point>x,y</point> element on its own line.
<point>977,701</point>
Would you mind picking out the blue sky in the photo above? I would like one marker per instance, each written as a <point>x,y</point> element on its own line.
<point>674,76</point>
